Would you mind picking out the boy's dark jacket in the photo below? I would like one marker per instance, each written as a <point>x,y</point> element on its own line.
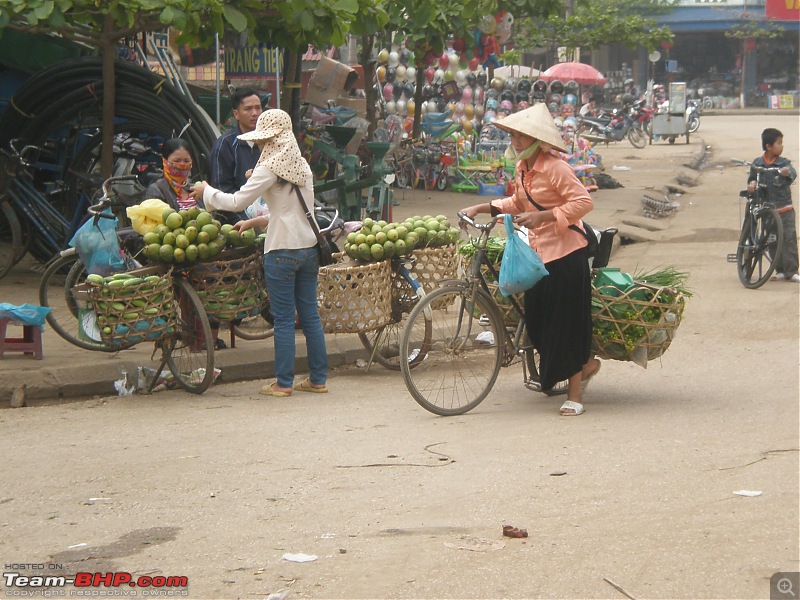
<point>779,192</point>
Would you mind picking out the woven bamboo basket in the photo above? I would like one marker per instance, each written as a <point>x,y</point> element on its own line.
<point>636,325</point>
<point>431,267</point>
<point>231,287</point>
<point>130,314</point>
<point>352,295</point>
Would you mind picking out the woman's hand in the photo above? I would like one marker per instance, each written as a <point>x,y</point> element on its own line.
<point>254,223</point>
<point>248,173</point>
<point>531,220</point>
<point>198,189</point>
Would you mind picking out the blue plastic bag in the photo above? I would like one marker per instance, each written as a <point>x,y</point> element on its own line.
<point>27,314</point>
<point>98,246</point>
<point>521,268</point>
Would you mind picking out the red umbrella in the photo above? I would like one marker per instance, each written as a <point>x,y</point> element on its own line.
<point>571,71</point>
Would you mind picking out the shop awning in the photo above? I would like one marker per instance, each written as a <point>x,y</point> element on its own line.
<point>716,18</point>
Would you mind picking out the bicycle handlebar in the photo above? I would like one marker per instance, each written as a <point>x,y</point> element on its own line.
<point>744,163</point>
<point>479,226</point>
<point>97,210</point>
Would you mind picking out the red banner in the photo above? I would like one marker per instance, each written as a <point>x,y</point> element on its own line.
<point>783,10</point>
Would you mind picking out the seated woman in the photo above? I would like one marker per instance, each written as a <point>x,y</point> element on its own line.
<point>173,186</point>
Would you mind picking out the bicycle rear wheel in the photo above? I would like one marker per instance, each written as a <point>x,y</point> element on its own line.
<point>12,247</point>
<point>388,339</point>
<point>637,137</point>
<point>759,247</point>
<point>189,350</point>
<point>461,358</point>
<point>71,318</point>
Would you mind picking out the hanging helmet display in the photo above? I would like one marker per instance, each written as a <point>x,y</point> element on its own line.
<point>400,73</point>
<point>411,107</point>
<point>427,91</point>
<point>397,92</point>
<point>510,84</point>
<point>539,86</point>
<point>538,97</point>
<point>492,104</point>
<point>522,105</point>
<point>506,106</point>
<point>394,59</point>
<point>388,90</point>
<point>524,86</point>
<point>570,123</point>
<point>558,121</point>
<point>405,56</point>
<point>554,108</point>
<point>556,98</point>
<point>444,61</point>
<point>520,97</point>
<point>449,75</point>
<point>390,74</point>
<point>459,108</point>
<point>491,93</point>
<point>461,78</point>
<point>481,78</point>
<point>571,87</point>
<point>383,56</point>
<point>467,125</point>
<point>466,95</point>
<point>401,108</point>
<point>570,99</point>
<point>409,89</point>
<point>430,74</point>
<point>479,112</point>
<point>556,87</point>
<point>411,74</point>
<point>498,83</point>
<point>471,80</point>
<point>438,76</point>
<point>380,73</point>
<point>489,117</point>
<point>507,95</point>
<point>441,104</point>
<point>469,111</point>
<point>477,97</point>
<point>391,107</point>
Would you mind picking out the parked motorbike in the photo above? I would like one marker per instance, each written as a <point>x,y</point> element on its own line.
<point>642,116</point>
<point>693,115</point>
<point>620,127</point>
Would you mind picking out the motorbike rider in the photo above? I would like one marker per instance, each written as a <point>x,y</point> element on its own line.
<point>590,108</point>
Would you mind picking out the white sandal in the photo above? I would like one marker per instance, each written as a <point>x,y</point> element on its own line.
<point>570,405</point>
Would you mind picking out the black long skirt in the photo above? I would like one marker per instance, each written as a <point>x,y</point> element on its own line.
<point>558,315</point>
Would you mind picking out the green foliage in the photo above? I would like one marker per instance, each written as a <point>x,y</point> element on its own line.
<point>752,30</point>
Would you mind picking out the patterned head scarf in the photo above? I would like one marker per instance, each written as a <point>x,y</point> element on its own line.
<point>280,152</point>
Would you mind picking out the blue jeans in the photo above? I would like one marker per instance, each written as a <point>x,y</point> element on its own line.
<point>291,277</point>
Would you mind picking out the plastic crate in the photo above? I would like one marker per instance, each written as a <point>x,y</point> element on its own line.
<point>485,189</point>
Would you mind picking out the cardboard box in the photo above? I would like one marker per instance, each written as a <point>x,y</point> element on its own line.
<point>359,104</point>
<point>330,80</point>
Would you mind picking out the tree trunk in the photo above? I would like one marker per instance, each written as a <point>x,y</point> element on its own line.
<point>107,51</point>
<point>368,65</point>
<point>289,58</point>
<point>297,61</point>
<point>418,100</point>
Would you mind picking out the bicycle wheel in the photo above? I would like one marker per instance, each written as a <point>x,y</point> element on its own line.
<point>759,247</point>
<point>71,318</point>
<point>258,327</point>
<point>12,247</point>
<point>463,357</point>
<point>388,339</point>
<point>189,350</point>
<point>441,182</point>
<point>637,137</point>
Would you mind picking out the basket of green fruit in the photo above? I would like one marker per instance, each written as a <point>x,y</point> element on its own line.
<point>132,307</point>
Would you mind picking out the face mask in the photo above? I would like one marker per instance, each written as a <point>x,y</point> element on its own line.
<point>512,154</point>
<point>177,176</point>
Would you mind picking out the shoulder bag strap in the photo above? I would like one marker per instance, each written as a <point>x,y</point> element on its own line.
<point>311,220</point>
<point>542,208</point>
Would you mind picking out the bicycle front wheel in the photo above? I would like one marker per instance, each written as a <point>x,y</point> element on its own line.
<point>759,247</point>
<point>637,137</point>
<point>189,350</point>
<point>258,327</point>
<point>461,358</point>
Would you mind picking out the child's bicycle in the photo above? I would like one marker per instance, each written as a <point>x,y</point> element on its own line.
<point>188,349</point>
<point>761,239</point>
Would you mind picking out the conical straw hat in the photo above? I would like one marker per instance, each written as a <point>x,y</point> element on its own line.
<point>535,122</point>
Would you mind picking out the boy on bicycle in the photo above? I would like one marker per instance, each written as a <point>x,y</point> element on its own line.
<point>779,194</point>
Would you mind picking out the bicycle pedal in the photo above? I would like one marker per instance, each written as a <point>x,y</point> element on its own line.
<point>533,385</point>
<point>484,321</point>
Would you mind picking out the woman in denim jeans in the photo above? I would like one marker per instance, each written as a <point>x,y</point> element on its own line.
<point>291,257</point>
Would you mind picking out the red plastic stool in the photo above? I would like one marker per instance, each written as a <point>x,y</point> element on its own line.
<point>29,343</point>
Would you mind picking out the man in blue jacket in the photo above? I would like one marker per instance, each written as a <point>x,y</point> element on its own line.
<point>232,159</point>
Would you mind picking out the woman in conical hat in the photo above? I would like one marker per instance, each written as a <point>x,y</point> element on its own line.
<point>550,201</point>
<point>291,256</point>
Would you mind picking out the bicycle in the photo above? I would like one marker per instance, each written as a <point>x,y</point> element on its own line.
<point>469,341</point>
<point>761,238</point>
<point>187,350</point>
<point>384,343</point>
